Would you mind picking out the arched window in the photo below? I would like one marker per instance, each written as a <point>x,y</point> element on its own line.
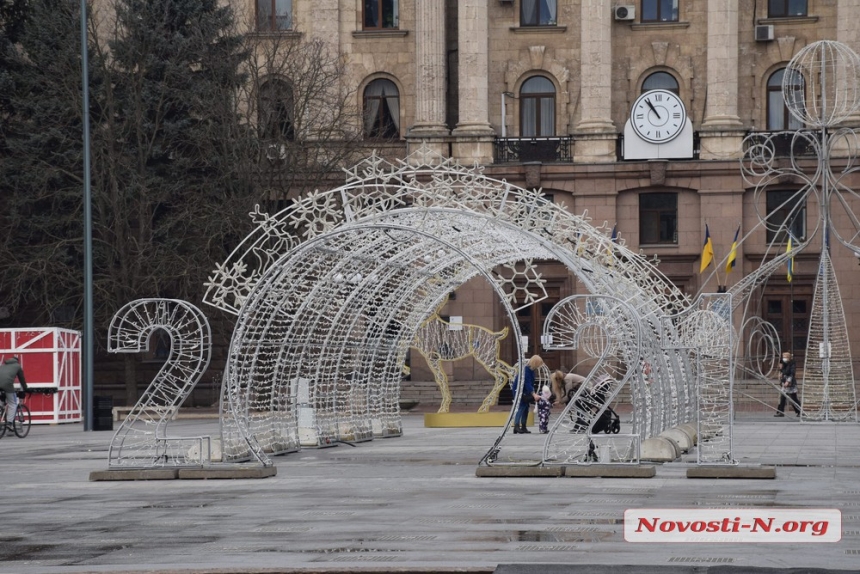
<point>786,212</point>
<point>778,116</point>
<point>275,111</point>
<point>381,110</point>
<point>661,81</point>
<point>537,108</point>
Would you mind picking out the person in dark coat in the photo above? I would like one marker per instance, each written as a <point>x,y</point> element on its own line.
<point>788,382</point>
<point>9,371</point>
<point>528,397</point>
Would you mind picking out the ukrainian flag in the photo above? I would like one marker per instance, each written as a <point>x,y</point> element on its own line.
<point>733,254</point>
<point>707,251</point>
<point>790,263</point>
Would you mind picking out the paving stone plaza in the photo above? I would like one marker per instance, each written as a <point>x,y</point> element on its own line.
<point>410,504</point>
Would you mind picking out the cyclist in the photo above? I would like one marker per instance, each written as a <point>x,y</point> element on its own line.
<point>8,372</point>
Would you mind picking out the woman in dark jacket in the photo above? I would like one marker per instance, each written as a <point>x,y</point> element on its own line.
<point>529,396</point>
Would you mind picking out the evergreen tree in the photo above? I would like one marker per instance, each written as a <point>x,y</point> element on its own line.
<point>166,193</point>
<point>41,164</point>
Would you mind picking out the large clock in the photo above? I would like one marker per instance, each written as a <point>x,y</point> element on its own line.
<point>658,116</point>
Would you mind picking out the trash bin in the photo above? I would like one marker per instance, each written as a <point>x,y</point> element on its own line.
<point>103,413</point>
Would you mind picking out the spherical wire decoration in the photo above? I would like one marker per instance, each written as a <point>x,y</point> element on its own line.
<point>821,84</point>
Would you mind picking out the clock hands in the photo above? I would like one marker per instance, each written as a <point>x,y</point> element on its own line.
<point>653,109</point>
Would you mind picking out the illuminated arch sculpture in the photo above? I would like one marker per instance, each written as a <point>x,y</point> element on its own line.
<point>330,293</point>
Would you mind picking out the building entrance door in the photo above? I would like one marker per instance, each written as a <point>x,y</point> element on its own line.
<point>789,314</point>
<point>531,320</point>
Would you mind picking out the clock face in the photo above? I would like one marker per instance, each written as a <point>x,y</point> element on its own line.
<point>658,116</point>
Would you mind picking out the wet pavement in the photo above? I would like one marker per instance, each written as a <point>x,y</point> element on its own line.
<point>408,504</point>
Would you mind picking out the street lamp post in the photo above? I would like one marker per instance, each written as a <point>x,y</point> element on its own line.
<point>87,341</point>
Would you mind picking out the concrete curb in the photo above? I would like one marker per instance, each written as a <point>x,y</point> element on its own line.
<point>519,471</point>
<point>763,472</point>
<point>238,472</point>
<point>573,471</point>
<point>610,471</point>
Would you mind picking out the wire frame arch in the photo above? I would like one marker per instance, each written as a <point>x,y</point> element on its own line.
<point>329,294</point>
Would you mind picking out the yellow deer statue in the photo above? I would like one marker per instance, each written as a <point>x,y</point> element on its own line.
<point>437,342</point>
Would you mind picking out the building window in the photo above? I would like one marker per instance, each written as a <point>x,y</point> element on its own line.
<point>778,116</point>
<point>538,13</point>
<point>661,81</point>
<point>275,111</point>
<point>274,15</point>
<point>537,108</point>
<point>381,110</point>
<point>787,8</point>
<point>659,11</point>
<point>786,210</point>
<point>658,218</point>
<point>381,14</point>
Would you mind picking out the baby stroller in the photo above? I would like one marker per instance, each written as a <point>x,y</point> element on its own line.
<point>590,402</point>
<point>609,422</point>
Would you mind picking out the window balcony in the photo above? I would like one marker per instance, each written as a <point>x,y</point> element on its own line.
<point>786,144</point>
<point>548,149</point>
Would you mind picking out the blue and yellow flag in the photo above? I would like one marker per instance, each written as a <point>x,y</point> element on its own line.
<point>733,254</point>
<point>707,251</point>
<point>790,263</point>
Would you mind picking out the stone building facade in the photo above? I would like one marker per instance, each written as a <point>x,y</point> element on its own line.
<point>538,92</point>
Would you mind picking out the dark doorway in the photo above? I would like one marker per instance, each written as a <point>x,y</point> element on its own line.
<point>789,311</point>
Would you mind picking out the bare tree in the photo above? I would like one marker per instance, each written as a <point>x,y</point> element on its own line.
<point>192,123</point>
<point>306,119</point>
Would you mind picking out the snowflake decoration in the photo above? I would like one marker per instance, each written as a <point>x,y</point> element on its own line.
<point>318,213</point>
<point>229,282</point>
<point>522,283</point>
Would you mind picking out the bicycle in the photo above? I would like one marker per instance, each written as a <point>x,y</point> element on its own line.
<point>21,424</point>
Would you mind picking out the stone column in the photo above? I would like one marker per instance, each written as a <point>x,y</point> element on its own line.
<point>848,33</point>
<point>430,101</point>
<point>722,131</point>
<point>595,133</point>
<point>474,135</point>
